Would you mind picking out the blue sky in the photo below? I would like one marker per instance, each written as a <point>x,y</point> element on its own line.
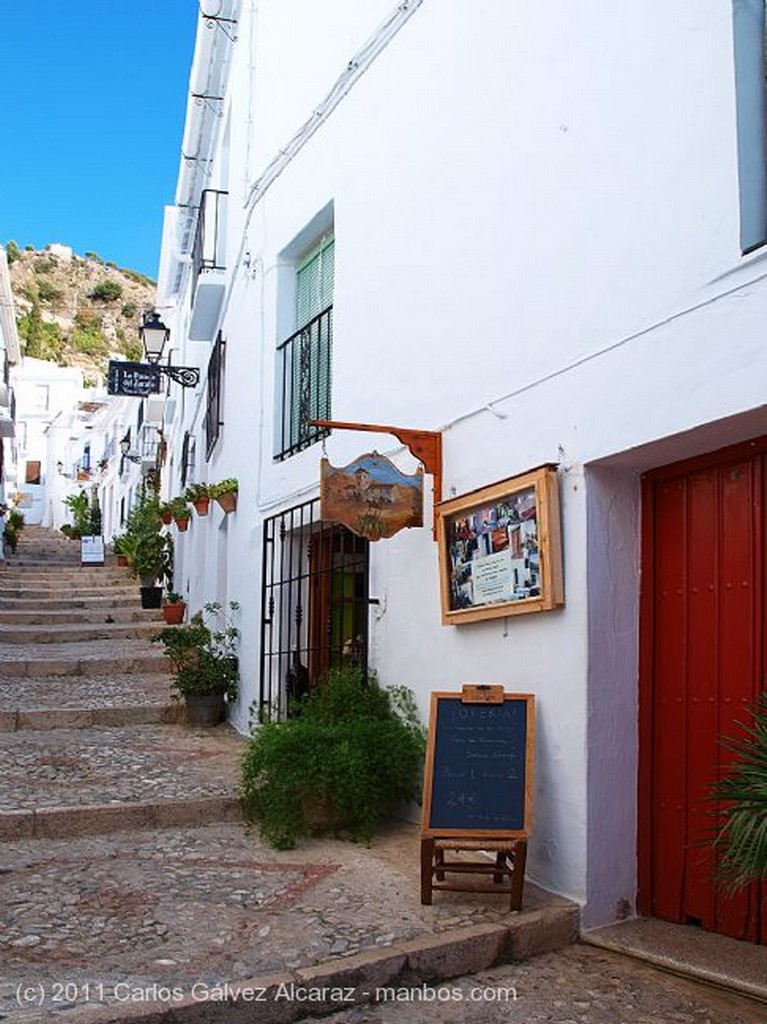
<point>92,116</point>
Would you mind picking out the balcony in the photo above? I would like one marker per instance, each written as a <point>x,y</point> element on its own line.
<point>208,266</point>
<point>305,359</point>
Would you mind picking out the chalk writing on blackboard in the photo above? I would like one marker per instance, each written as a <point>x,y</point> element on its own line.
<point>479,766</point>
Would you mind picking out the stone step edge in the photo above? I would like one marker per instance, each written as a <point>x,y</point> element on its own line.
<point>41,720</point>
<point>343,983</point>
<point>715,979</point>
<point>103,819</point>
<point>57,666</point>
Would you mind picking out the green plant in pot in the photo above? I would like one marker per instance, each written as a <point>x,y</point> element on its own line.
<point>203,655</point>
<point>199,496</point>
<point>740,842</point>
<point>79,505</point>
<point>152,561</point>
<point>173,608</point>
<point>352,752</point>
<point>179,510</point>
<point>225,492</point>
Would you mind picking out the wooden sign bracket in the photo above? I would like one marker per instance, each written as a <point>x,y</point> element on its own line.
<point>424,445</point>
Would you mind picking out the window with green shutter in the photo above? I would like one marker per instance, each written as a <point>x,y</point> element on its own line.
<point>306,357</point>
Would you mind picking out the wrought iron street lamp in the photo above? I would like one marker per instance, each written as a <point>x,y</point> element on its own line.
<point>125,450</point>
<point>154,336</point>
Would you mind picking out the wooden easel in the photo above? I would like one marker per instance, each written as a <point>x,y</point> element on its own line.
<point>509,844</point>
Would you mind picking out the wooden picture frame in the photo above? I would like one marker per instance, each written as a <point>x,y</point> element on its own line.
<point>500,549</point>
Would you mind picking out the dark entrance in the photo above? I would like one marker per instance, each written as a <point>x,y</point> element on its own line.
<point>314,601</point>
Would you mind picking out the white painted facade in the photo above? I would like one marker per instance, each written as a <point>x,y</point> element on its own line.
<point>537,252</point>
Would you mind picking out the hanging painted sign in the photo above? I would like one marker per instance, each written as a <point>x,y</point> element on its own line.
<point>135,379</point>
<point>371,496</point>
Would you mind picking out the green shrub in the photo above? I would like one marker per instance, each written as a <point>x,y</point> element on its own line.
<point>352,747</point>
<point>129,310</point>
<point>204,658</point>
<point>741,840</point>
<point>107,291</point>
<point>12,252</point>
<point>49,293</point>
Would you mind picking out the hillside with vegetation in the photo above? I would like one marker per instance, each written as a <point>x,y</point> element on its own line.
<point>77,310</point>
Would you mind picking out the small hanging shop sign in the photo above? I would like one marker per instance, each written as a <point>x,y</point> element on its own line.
<point>371,496</point>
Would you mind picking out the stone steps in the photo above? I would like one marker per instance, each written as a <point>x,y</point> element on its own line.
<point>105,630</point>
<point>106,600</point>
<point>71,616</point>
<point>62,591</point>
<point>88,781</point>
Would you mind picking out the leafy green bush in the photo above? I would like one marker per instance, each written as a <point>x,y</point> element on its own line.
<point>741,840</point>
<point>204,658</point>
<point>12,252</point>
<point>49,293</point>
<point>129,310</point>
<point>107,291</point>
<point>352,747</point>
<point>79,505</point>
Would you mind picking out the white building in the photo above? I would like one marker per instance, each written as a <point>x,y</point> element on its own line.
<point>9,356</point>
<point>540,232</point>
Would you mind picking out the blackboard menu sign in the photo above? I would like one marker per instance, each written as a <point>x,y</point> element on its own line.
<point>479,765</point>
<point>135,379</point>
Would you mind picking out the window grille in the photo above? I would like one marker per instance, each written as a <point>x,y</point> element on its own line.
<point>314,604</point>
<point>306,359</point>
<point>213,421</point>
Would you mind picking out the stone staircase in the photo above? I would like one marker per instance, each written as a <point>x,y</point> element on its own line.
<point>91,741</point>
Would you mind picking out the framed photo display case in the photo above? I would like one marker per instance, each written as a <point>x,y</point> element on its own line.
<point>500,549</point>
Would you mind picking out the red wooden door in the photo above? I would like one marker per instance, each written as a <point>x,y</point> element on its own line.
<point>702,664</point>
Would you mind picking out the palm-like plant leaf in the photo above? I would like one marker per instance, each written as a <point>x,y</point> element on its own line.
<point>741,840</point>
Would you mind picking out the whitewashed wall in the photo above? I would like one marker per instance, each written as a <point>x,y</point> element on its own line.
<point>536,223</point>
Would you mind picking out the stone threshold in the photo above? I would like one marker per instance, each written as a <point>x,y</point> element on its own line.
<point>689,952</point>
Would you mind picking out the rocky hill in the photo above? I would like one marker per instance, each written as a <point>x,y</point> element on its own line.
<point>77,310</point>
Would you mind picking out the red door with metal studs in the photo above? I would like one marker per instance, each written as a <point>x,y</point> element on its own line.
<point>702,663</point>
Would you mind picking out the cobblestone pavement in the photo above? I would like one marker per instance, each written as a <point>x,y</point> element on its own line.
<point>84,691</point>
<point>89,766</point>
<point>191,906</point>
<point>579,985</point>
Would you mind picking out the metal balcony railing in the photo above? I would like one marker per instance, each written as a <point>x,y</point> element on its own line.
<point>208,247</point>
<point>305,361</point>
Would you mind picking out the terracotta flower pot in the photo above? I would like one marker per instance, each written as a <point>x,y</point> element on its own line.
<point>174,613</point>
<point>201,506</point>
<point>227,501</point>
<point>122,559</point>
<point>167,518</point>
<point>182,523</point>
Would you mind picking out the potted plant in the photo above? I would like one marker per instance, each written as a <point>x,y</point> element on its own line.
<point>173,608</point>
<point>180,512</point>
<point>166,512</point>
<point>225,493</point>
<point>198,495</point>
<point>152,559</point>
<point>203,654</point>
<point>79,505</point>
<point>740,841</point>
<point>349,755</point>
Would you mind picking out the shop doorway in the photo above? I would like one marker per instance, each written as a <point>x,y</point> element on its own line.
<point>702,662</point>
